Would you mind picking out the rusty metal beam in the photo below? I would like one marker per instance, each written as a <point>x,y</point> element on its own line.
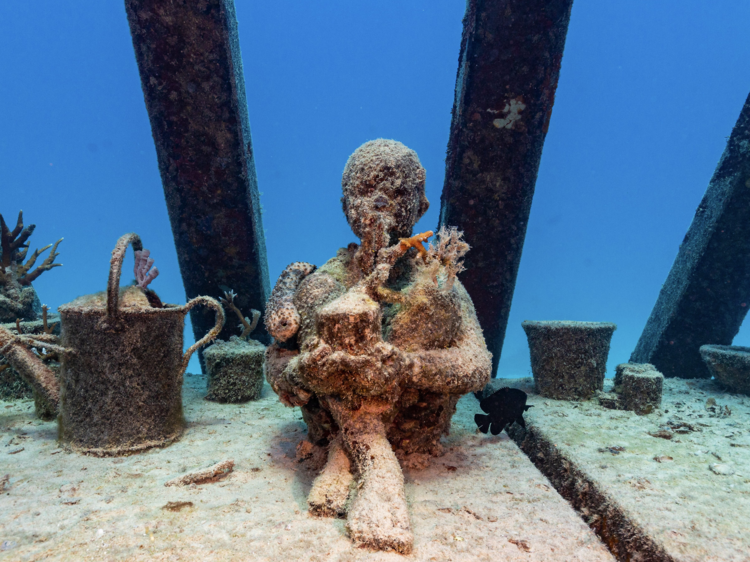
<point>707,292</point>
<point>509,64</point>
<point>188,55</point>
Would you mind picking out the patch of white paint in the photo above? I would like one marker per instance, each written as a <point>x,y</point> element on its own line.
<point>512,111</point>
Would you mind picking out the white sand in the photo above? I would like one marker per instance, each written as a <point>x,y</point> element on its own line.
<point>482,501</point>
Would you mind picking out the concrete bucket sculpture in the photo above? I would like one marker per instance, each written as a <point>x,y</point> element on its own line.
<point>122,363</point>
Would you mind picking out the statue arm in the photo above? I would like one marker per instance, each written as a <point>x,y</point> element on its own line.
<point>298,294</point>
<point>462,368</point>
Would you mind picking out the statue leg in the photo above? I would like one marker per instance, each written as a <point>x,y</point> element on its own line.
<point>330,489</point>
<point>378,516</point>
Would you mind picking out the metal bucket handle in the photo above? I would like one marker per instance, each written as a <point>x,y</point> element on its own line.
<point>113,295</point>
<point>210,336</point>
<point>115,268</point>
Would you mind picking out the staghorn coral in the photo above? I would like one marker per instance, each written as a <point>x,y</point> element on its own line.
<point>246,325</point>
<point>386,342</point>
<point>18,300</point>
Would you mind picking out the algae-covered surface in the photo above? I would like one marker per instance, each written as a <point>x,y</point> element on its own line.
<point>481,501</point>
<point>677,481</point>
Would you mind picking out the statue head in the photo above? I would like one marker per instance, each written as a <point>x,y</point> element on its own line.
<point>384,192</point>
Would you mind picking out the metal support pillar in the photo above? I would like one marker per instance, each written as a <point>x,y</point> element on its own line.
<point>509,64</point>
<point>188,55</point>
<point>707,292</point>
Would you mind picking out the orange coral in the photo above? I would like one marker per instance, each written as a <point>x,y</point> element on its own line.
<point>416,242</point>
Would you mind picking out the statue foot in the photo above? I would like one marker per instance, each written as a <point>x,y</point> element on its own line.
<point>379,517</point>
<point>379,524</point>
<point>330,489</point>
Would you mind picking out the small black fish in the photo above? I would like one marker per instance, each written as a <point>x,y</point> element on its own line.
<point>504,407</point>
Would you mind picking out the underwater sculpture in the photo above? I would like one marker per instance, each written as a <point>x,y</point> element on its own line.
<point>120,386</point>
<point>376,346</point>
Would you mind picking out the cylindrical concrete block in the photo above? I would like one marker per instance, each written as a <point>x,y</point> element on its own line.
<point>235,370</point>
<point>568,359</point>
<point>730,365</point>
<point>640,387</point>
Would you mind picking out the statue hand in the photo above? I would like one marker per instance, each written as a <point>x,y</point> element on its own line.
<point>287,385</point>
<point>369,373</point>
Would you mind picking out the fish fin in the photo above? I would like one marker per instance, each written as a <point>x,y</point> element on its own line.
<point>497,428</point>
<point>520,421</point>
<point>483,422</point>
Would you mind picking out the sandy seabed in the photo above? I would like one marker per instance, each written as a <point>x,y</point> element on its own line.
<point>482,500</point>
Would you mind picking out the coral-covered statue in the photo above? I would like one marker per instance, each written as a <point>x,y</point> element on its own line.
<point>376,346</point>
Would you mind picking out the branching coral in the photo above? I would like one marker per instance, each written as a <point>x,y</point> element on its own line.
<point>448,251</point>
<point>17,298</point>
<point>246,325</point>
<point>14,250</point>
<point>416,242</point>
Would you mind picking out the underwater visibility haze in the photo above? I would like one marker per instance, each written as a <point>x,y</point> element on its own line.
<point>351,260</point>
<point>647,96</point>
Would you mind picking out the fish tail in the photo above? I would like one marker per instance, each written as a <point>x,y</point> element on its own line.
<point>483,422</point>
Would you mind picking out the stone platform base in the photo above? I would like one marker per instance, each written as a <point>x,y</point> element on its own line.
<point>673,485</point>
<point>482,501</point>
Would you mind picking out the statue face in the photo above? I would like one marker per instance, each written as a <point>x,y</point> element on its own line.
<point>395,210</point>
<point>384,190</point>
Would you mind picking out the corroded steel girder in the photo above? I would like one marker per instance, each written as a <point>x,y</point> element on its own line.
<point>707,292</point>
<point>190,65</point>
<point>509,64</point>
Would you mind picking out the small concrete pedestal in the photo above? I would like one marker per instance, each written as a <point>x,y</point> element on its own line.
<point>640,387</point>
<point>235,370</point>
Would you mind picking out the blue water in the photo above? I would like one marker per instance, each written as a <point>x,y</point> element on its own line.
<point>648,93</point>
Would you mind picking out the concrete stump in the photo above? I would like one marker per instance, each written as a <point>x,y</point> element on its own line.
<point>568,359</point>
<point>730,365</point>
<point>235,370</point>
<point>639,386</point>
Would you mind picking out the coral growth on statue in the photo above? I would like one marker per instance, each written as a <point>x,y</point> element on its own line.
<point>376,346</point>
